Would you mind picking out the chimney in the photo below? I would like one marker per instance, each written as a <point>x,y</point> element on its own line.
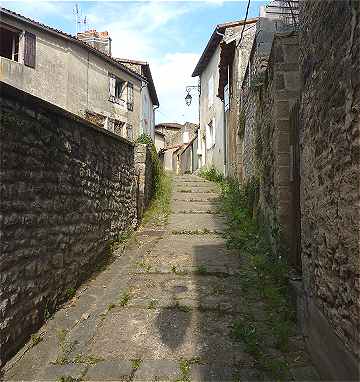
<point>98,40</point>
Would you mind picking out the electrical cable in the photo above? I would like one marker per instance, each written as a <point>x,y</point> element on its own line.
<point>246,15</point>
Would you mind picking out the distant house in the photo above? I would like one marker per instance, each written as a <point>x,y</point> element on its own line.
<point>148,97</point>
<point>212,137</point>
<point>175,137</point>
<point>175,133</point>
<point>169,129</point>
<point>159,140</point>
<point>77,74</point>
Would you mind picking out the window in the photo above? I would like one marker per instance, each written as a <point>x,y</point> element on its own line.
<point>130,96</point>
<point>116,89</point>
<point>17,46</point>
<point>211,91</point>
<point>9,43</point>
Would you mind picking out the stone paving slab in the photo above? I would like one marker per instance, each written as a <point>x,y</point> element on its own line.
<point>170,334</point>
<point>113,370</point>
<point>196,222</point>
<point>191,292</point>
<point>158,370</point>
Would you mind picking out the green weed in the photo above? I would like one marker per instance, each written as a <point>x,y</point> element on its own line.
<point>70,293</point>
<point>152,304</point>
<point>124,299</point>
<point>35,339</point>
<point>136,363</point>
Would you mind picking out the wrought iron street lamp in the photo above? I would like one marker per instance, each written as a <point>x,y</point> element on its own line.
<point>188,97</point>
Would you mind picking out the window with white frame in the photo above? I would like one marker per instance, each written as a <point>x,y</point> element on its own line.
<point>17,45</point>
<point>211,91</point>
<point>117,88</point>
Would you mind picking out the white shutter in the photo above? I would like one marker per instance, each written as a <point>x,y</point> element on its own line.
<point>213,132</point>
<point>112,84</point>
<point>208,137</point>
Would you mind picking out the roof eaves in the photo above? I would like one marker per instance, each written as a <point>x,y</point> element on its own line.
<point>67,36</point>
<point>146,67</point>
<point>214,42</point>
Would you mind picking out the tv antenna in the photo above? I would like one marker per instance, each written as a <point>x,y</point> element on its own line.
<point>79,19</point>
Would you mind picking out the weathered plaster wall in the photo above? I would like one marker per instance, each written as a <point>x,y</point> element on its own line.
<point>67,191</point>
<point>330,108</point>
<point>214,156</point>
<point>159,142</point>
<point>147,122</point>
<point>70,77</point>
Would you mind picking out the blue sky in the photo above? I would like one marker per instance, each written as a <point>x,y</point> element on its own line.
<point>171,35</point>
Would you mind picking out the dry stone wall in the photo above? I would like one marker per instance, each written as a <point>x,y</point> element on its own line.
<point>330,42</point>
<point>144,166</point>
<point>280,92</point>
<point>68,190</point>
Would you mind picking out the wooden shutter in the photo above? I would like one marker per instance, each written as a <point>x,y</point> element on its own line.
<point>130,96</point>
<point>29,49</point>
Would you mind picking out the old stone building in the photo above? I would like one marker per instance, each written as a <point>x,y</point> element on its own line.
<point>77,74</point>
<point>212,141</point>
<point>148,97</point>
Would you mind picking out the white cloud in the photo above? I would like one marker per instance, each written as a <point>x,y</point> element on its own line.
<point>138,33</point>
<point>171,75</point>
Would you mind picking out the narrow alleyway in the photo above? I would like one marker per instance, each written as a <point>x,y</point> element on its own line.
<point>163,310</point>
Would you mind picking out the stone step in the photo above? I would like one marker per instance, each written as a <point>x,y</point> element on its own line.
<point>193,190</point>
<point>196,197</point>
<point>191,223</point>
<point>180,206</point>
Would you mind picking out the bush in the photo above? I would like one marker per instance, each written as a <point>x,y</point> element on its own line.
<point>211,174</point>
<point>159,208</point>
<point>158,170</point>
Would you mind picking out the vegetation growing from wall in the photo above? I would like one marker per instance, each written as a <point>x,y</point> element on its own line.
<point>264,279</point>
<point>159,208</point>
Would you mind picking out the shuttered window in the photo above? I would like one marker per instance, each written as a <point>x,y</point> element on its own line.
<point>29,49</point>
<point>130,96</point>
<point>112,83</point>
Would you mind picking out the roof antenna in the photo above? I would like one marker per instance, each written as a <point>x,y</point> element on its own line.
<point>76,12</point>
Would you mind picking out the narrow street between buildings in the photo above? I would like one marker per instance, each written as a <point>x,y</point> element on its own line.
<point>174,305</point>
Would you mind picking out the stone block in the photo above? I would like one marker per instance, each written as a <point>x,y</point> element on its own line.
<point>282,109</point>
<point>292,81</point>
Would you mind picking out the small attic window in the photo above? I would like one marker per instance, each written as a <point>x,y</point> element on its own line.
<point>9,43</point>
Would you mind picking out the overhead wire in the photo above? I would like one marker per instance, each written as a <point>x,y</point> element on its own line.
<point>243,28</point>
